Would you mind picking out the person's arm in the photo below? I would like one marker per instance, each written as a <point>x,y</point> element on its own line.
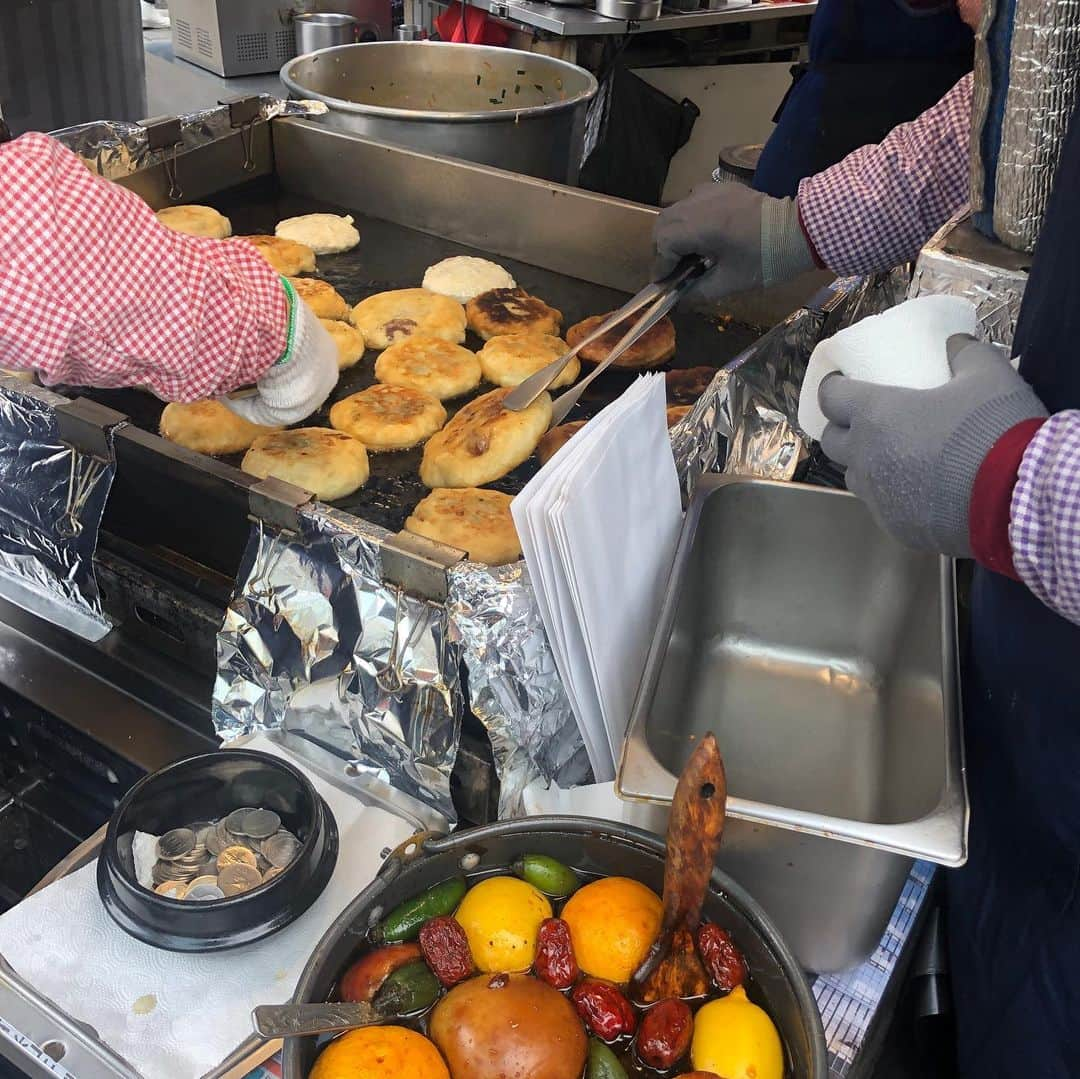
<point>880,205</point>
<point>1025,510</point>
<point>94,291</point>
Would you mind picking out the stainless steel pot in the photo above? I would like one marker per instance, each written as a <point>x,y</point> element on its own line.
<point>514,110</point>
<point>323,30</point>
<point>594,846</point>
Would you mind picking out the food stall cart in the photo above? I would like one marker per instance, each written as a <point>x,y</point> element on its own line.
<point>156,590</point>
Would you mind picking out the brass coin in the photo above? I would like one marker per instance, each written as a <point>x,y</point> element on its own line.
<point>236,856</point>
<point>234,879</point>
<point>272,872</point>
<point>174,889</point>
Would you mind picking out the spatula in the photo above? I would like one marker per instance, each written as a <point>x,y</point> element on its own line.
<point>672,968</point>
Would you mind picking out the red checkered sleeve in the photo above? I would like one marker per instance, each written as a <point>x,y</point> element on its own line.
<point>94,291</point>
<point>882,203</point>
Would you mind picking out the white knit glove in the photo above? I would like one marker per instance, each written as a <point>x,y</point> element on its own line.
<point>301,380</point>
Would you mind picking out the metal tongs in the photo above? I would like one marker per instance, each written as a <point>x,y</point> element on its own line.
<point>654,300</point>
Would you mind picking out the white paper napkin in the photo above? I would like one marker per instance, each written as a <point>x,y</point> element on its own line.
<point>904,346</point>
<point>174,1016</point>
<point>598,527</point>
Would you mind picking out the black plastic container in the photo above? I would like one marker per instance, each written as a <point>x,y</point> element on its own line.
<point>211,786</point>
<point>595,847</point>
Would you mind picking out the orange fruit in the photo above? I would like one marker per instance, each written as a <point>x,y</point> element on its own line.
<point>613,924</point>
<point>501,917</point>
<point>380,1053</point>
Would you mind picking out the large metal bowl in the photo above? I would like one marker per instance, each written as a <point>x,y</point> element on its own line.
<point>514,110</point>
<point>594,846</point>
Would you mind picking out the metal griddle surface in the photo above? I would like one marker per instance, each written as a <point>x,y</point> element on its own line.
<point>392,257</point>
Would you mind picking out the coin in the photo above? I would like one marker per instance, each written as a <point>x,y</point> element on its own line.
<point>235,856</point>
<point>201,828</point>
<point>174,889</point>
<point>204,893</point>
<point>272,872</point>
<point>280,849</point>
<point>208,878</point>
<point>234,879</point>
<point>235,820</point>
<point>218,838</point>
<point>175,844</point>
<point>261,823</point>
<point>166,871</point>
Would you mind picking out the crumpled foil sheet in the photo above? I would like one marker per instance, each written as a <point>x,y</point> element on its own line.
<point>960,262</point>
<point>115,149</point>
<point>514,687</point>
<point>364,676</point>
<point>52,498</point>
<point>1044,78</point>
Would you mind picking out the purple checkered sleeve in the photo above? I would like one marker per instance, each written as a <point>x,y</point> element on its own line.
<point>1044,525</point>
<point>880,205</point>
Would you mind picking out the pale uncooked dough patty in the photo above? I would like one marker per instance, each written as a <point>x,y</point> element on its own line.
<point>464,276</point>
<point>325,234</point>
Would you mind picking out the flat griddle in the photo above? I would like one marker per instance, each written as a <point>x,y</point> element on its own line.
<point>392,257</point>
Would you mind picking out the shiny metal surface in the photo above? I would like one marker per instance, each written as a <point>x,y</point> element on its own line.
<point>520,111</point>
<point>323,30</point>
<point>823,656</point>
<point>586,236</point>
<point>631,10</point>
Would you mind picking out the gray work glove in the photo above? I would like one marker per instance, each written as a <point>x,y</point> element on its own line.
<point>912,455</point>
<point>756,240</point>
<point>301,380</point>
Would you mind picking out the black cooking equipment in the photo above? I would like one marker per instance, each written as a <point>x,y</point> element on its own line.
<point>594,847</point>
<point>209,787</point>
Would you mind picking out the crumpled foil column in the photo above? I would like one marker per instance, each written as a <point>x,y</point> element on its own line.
<point>317,645</point>
<point>52,498</point>
<point>1027,81</point>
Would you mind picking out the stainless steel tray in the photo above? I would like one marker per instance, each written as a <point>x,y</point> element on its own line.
<point>823,656</point>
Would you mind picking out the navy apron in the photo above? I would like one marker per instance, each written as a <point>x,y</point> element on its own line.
<point>1014,909</point>
<point>873,64</point>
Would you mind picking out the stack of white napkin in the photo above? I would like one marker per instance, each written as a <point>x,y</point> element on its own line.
<point>598,527</point>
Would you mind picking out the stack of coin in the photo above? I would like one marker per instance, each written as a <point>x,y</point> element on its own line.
<point>209,860</point>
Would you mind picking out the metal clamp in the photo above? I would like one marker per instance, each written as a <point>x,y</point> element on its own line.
<point>84,425</point>
<point>418,565</point>
<point>243,113</point>
<point>277,504</point>
<point>164,133</point>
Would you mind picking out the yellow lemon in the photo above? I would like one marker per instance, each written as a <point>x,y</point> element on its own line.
<point>613,924</point>
<point>380,1053</point>
<point>501,917</point>
<point>734,1038</point>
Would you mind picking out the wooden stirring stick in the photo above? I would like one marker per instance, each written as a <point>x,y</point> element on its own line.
<point>696,825</point>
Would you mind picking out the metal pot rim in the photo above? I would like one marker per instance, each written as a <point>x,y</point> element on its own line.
<point>421,115</point>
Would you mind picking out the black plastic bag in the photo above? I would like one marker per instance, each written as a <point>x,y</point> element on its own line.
<point>632,131</point>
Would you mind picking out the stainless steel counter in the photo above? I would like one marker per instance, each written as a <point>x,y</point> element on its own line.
<point>585,22</point>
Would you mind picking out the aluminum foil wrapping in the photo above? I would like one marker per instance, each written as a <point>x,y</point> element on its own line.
<point>958,261</point>
<point>52,498</point>
<point>115,149</point>
<point>514,687</point>
<point>361,678</point>
<point>1043,78</point>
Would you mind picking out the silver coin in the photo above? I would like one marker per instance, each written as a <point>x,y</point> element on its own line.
<point>281,849</point>
<point>261,823</point>
<point>176,844</point>
<point>219,838</point>
<point>201,828</point>
<point>204,893</point>
<point>235,820</point>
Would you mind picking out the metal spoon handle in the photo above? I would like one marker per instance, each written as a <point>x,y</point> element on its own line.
<point>298,1020</point>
